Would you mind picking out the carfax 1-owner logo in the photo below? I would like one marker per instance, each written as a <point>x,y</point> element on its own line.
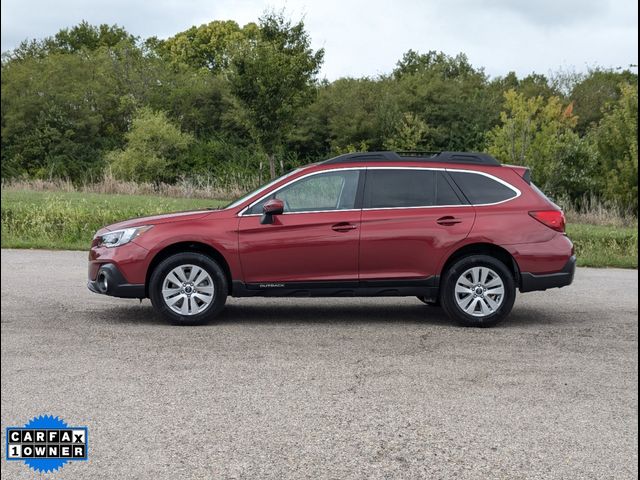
<point>46,443</point>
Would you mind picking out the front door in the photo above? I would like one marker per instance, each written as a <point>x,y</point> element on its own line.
<point>315,239</point>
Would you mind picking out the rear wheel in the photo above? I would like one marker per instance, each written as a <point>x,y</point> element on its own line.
<point>478,291</point>
<point>188,289</point>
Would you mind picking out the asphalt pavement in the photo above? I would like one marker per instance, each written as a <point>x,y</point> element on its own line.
<point>324,388</point>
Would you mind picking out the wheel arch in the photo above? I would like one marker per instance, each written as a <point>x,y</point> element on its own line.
<point>188,247</point>
<point>482,248</point>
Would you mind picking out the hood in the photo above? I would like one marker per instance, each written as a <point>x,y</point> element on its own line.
<point>159,219</point>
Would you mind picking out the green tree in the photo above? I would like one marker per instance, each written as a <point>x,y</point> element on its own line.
<point>58,114</point>
<point>348,112</point>
<point>616,140</point>
<point>154,148</point>
<point>211,46</point>
<point>83,36</point>
<point>595,91</point>
<point>409,134</point>
<point>538,133</point>
<point>449,95</point>
<point>273,77</point>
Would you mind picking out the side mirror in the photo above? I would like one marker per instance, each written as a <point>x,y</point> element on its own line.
<point>271,208</point>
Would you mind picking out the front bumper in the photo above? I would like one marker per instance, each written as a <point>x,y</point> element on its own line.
<point>530,282</point>
<point>109,281</point>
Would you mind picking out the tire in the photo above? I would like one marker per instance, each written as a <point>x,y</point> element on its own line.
<point>195,287</point>
<point>485,277</point>
<point>429,302</point>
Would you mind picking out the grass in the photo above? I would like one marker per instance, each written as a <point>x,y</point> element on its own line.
<point>605,245</point>
<point>68,220</point>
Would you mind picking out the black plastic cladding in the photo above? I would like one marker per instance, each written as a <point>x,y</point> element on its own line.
<point>440,157</point>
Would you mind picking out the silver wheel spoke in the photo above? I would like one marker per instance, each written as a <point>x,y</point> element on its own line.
<point>173,278</point>
<point>208,290</point>
<point>185,310</point>
<point>179,272</point>
<point>462,289</point>
<point>200,277</point>
<point>471,306</point>
<point>170,292</point>
<point>205,298</point>
<point>484,308</point>
<point>495,290</point>
<point>465,306</point>
<point>172,301</point>
<point>475,275</point>
<point>195,271</point>
<point>493,305</point>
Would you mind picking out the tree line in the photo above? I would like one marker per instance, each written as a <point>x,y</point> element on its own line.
<point>231,101</point>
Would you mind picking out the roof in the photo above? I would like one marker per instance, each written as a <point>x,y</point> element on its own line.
<point>439,157</point>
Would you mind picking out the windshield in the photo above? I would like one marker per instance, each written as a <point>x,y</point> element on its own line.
<point>246,197</point>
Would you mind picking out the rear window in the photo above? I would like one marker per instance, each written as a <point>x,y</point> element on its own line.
<point>480,189</point>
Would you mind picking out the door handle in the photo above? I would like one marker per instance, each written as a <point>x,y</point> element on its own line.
<point>448,221</point>
<point>344,227</point>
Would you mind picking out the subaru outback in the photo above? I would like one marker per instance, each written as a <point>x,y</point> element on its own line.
<point>454,229</point>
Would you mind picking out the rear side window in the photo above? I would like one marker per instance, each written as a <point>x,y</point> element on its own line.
<point>480,189</point>
<point>399,188</point>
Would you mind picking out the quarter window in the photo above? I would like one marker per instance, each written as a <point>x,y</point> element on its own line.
<point>480,189</point>
<point>324,191</point>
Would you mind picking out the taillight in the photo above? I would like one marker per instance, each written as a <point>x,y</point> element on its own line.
<point>551,218</point>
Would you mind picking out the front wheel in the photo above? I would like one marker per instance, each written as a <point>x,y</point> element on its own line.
<point>478,291</point>
<point>188,288</point>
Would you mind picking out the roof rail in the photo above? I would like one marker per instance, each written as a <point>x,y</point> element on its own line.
<point>364,157</point>
<point>416,153</point>
<point>440,157</point>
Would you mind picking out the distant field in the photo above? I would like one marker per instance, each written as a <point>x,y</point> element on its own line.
<point>605,246</point>
<point>68,220</point>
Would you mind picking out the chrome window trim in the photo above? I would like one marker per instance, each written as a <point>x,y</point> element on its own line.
<point>517,191</point>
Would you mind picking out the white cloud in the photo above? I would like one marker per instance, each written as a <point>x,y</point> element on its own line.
<point>368,38</point>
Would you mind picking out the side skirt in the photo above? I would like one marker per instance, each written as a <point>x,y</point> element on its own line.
<point>427,287</point>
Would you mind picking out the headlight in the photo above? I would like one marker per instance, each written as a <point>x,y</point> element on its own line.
<point>120,237</point>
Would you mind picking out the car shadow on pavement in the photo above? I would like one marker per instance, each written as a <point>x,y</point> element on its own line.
<point>287,314</point>
<point>333,314</point>
<point>303,313</point>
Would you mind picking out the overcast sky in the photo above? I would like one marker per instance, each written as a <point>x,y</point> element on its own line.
<point>368,37</point>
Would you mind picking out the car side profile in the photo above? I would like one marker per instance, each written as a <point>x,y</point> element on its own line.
<point>454,229</point>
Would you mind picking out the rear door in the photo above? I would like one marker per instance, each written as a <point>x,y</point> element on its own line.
<point>410,217</point>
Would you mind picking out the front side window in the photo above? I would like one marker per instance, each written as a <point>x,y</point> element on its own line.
<point>324,191</point>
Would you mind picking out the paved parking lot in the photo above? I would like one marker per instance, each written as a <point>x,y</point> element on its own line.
<point>324,388</point>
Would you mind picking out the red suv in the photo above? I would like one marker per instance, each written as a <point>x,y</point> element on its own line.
<point>455,229</point>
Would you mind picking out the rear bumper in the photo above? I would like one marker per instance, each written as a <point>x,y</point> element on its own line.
<point>109,281</point>
<point>530,282</point>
